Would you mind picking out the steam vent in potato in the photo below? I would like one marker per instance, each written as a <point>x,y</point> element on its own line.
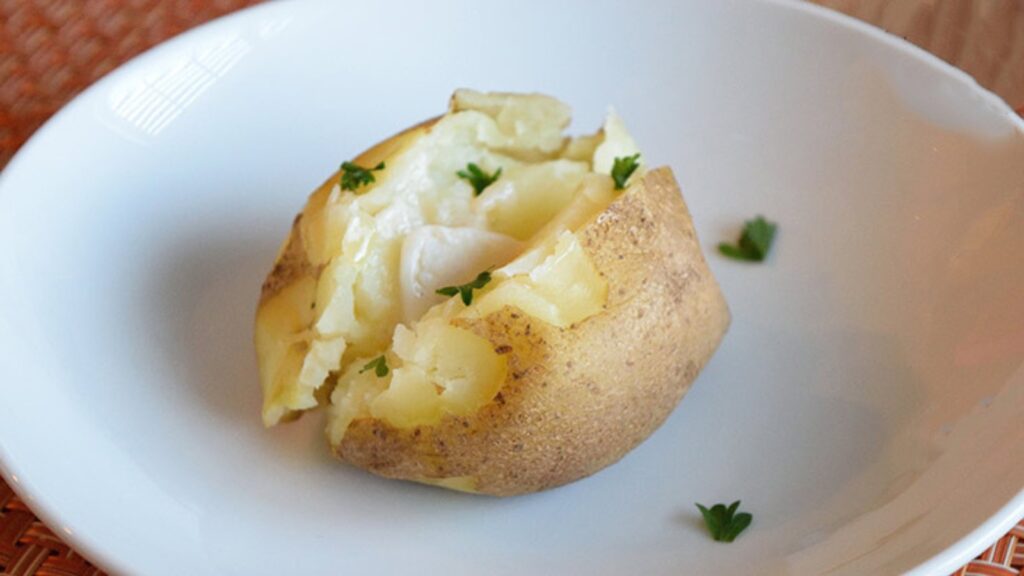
<point>485,304</point>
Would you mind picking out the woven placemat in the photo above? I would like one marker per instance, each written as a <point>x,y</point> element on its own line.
<point>52,49</point>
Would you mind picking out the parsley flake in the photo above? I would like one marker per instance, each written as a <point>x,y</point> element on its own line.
<point>379,365</point>
<point>723,523</point>
<point>466,290</point>
<point>477,177</point>
<point>623,168</point>
<point>755,242</point>
<point>354,176</point>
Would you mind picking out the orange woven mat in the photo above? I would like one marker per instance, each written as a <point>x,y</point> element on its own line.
<point>52,49</point>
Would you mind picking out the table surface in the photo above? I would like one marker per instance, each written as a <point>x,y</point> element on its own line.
<point>52,49</point>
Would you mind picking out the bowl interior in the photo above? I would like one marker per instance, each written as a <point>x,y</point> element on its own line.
<point>864,405</point>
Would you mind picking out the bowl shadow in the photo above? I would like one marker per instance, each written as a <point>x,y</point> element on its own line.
<point>206,294</point>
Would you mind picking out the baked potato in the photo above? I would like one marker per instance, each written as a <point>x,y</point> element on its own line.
<point>487,305</point>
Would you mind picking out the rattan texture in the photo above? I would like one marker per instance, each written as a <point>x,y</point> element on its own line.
<point>52,49</point>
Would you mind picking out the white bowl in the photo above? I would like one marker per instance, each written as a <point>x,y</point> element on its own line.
<point>865,406</point>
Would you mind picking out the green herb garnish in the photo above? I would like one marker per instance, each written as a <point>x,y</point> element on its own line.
<point>466,290</point>
<point>755,242</point>
<point>623,169</point>
<point>379,365</point>
<point>477,177</point>
<point>723,523</point>
<point>353,175</point>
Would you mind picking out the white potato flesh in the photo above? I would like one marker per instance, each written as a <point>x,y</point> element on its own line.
<point>437,256</point>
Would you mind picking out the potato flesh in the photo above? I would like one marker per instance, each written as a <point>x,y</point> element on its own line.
<point>538,191</point>
<point>435,256</point>
<point>354,310</point>
<point>287,314</point>
<point>444,369</point>
<point>564,289</point>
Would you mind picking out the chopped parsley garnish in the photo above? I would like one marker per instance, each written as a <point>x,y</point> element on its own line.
<point>354,176</point>
<point>623,168</point>
<point>477,177</point>
<point>755,242</point>
<point>466,290</point>
<point>379,365</point>
<point>723,523</point>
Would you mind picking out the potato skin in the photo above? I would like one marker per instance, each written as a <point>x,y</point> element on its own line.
<point>577,399</point>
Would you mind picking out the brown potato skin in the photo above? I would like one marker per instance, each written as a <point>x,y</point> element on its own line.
<point>577,399</point>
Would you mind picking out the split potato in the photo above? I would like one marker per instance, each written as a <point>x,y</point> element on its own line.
<point>484,304</point>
